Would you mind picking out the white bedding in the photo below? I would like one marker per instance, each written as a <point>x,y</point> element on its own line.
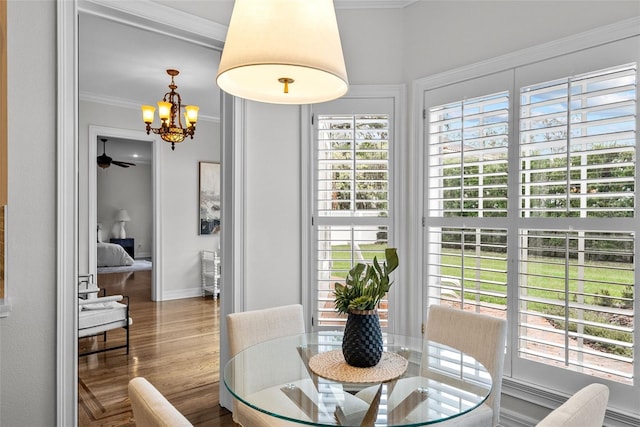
<point>112,255</point>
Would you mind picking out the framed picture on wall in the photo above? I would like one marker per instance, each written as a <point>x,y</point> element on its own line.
<point>209,197</point>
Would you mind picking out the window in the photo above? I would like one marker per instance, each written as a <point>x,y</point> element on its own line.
<point>468,177</point>
<point>577,160</point>
<point>352,196</point>
<point>531,213</point>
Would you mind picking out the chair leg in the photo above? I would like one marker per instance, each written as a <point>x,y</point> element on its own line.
<point>128,323</point>
<point>127,328</point>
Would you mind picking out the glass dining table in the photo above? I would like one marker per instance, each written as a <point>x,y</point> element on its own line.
<point>304,379</point>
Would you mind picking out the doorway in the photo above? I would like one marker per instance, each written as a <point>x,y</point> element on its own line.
<point>152,160</point>
<point>72,139</point>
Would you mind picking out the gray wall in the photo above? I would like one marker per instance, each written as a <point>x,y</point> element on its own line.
<point>443,35</point>
<point>28,335</point>
<point>272,211</point>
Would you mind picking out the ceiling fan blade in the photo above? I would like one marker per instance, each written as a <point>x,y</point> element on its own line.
<point>105,161</point>
<point>122,164</point>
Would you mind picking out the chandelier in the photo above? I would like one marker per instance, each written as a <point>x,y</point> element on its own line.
<point>283,52</point>
<point>169,108</point>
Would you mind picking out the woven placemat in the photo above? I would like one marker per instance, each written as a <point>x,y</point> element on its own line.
<point>332,366</point>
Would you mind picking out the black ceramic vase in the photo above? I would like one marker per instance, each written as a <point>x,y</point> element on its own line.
<point>362,340</point>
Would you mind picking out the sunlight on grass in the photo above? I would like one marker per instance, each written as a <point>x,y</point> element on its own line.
<point>342,256</point>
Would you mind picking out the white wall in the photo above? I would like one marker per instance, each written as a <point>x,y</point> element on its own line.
<point>372,43</point>
<point>28,334</point>
<point>273,200</point>
<point>181,243</point>
<point>131,189</point>
<point>443,35</point>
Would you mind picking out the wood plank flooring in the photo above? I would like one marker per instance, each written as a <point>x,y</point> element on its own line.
<point>174,344</point>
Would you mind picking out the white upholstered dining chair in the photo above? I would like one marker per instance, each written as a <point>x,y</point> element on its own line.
<point>151,408</point>
<point>478,335</point>
<point>253,327</point>
<point>586,408</point>
<point>482,336</point>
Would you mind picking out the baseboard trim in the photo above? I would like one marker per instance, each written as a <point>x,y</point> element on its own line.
<point>182,293</point>
<point>509,418</point>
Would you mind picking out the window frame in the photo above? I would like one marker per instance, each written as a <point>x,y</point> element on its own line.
<point>531,381</point>
<point>365,94</point>
<point>489,84</point>
<point>575,63</point>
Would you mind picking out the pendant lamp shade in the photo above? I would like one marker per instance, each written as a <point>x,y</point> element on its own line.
<point>283,52</point>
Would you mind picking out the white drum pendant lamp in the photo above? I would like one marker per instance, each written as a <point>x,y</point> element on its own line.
<point>283,52</point>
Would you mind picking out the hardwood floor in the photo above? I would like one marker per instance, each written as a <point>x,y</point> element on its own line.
<point>174,344</point>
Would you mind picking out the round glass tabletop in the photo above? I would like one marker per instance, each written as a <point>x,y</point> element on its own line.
<point>437,382</point>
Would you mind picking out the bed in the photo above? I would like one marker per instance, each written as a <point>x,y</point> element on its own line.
<point>112,255</point>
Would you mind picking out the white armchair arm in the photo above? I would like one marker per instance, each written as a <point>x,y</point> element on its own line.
<point>104,301</point>
<point>84,293</point>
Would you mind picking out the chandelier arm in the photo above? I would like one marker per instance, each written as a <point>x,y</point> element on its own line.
<point>176,107</point>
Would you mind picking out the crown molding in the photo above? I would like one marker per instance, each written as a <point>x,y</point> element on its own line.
<point>373,4</point>
<point>158,18</point>
<point>166,20</point>
<point>129,104</point>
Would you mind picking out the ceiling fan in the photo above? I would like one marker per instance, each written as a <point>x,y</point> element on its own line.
<point>105,161</point>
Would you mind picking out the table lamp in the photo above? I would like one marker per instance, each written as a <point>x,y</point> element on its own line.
<point>122,216</point>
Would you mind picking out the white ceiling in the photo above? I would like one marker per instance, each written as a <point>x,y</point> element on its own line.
<point>125,150</point>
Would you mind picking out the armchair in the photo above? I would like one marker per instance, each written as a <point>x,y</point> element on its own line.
<point>98,315</point>
<point>586,408</point>
<point>151,408</point>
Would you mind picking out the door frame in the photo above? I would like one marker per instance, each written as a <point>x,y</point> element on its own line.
<point>156,202</point>
<point>154,17</point>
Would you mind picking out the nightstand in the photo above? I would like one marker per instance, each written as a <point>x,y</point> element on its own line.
<point>128,244</point>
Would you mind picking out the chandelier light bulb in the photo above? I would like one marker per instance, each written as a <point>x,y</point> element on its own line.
<point>148,112</point>
<point>164,110</point>
<point>191,113</point>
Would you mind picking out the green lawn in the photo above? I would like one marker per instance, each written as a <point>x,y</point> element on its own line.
<point>604,284</point>
<point>341,256</point>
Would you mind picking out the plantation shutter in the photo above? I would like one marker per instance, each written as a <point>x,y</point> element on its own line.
<point>468,178</point>
<point>468,143</point>
<point>573,224</point>
<point>352,197</point>
<point>530,212</point>
<point>576,285</point>
<point>577,139</point>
